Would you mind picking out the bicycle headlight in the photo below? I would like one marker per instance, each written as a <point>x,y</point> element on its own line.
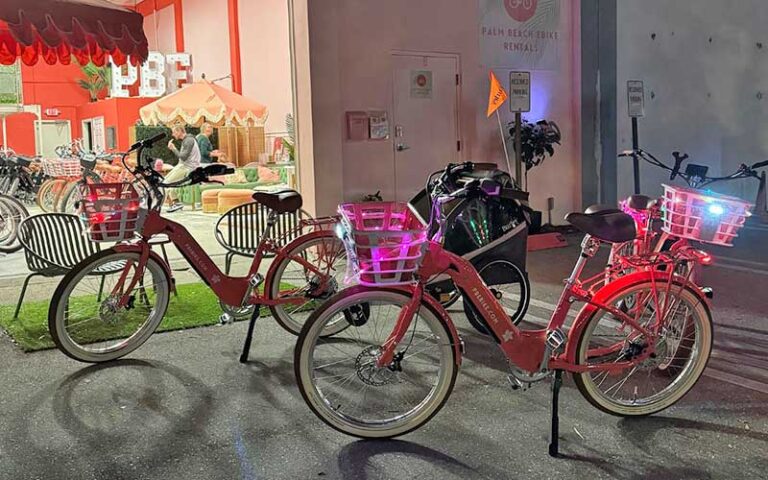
<point>716,209</point>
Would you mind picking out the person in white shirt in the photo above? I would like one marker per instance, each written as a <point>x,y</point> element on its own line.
<point>189,159</point>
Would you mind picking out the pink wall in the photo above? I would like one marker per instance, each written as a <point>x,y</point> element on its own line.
<point>266,58</point>
<point>206,37</point>
<point>160,30</point>
<point>351,42</point>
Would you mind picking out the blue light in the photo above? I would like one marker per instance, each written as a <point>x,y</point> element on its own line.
<point>716,209</point>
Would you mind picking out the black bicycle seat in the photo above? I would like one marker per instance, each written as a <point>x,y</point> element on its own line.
<point>614,227</point>
<point>600,208</point>
<point>284,201</point>
<point>640,202</point>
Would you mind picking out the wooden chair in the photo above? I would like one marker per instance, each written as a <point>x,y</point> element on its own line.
<point>241,228</point>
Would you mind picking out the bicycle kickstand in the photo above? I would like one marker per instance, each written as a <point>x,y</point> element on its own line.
<point>249,335</point>
<point>554,434</point>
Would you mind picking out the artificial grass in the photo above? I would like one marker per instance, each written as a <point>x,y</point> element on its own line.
<point>196,306</point>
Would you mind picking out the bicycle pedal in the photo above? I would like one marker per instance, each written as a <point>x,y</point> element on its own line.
<point>226,319</point>
<point>516,384</point>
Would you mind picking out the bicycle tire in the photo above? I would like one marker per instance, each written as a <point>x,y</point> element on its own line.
<point>60,303</point>
<point>477,321</point>
<point>275,278</point>
<point>585,383</point>
<point>18,212</point>
<point>427,409</point>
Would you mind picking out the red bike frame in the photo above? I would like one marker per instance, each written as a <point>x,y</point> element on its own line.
<point>230,290</point>
<point>528,348</point>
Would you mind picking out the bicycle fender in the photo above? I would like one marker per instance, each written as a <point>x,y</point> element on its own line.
<point>606,291</point>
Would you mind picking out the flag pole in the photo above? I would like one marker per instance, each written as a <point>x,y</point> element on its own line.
<point>504,142</point>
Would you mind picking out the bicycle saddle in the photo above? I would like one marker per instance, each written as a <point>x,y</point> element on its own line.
<point>600,208</point>
<point>614,227</point>
<point>640,202</point>
<point>283,201</point>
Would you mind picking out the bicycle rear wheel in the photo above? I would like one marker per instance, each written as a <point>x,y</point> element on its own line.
<point>338,376</point>
<point>93,319</point>
<point>681,349</point>
<point>292,280</point>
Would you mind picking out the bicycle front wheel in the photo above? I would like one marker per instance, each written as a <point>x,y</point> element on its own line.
<point>338,376</point>
<point>681,344</point>
<point>106,307</point>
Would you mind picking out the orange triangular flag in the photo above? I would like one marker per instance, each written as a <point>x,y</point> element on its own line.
<point>498,95</point>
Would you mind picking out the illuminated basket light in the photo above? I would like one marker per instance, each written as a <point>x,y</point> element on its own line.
<point>63,167</point>
<point>703,216</point>
<point>112,212</point>
<point>385,241</point>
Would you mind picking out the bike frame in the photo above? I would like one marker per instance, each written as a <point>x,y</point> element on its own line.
<point>235,291</point>
<point>529,349</point>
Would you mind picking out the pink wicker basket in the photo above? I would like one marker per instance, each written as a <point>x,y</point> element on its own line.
<point>385,241</point>
<point>703,216</point>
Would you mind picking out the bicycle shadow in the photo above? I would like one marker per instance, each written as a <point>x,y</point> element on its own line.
<point>355,460</point>
<point>103,420</point>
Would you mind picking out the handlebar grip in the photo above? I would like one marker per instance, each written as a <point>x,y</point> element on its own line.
<point>759,165</point>
<point>679,159</point>
<point>148,142</point>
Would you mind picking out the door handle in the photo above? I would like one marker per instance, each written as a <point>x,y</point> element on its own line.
<point>401,147</point>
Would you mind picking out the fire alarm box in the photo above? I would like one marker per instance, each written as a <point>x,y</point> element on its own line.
<point>357,126</point>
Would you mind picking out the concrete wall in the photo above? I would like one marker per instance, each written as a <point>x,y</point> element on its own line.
<point>206,37</point>
<point>160,30</point>
<point>351,42</point>
<point>266,58</point>
<point>705,68</point>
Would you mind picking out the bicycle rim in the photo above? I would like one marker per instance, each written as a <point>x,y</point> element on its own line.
<point>292,280</point>
<point>341,383</point>
<point>682,350</point>
<point>92,321</point>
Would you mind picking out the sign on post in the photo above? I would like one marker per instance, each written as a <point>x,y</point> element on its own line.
<point>636,98</point>
<point>520,91</point>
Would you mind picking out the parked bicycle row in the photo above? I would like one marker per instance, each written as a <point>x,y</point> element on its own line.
<point>366,291</point>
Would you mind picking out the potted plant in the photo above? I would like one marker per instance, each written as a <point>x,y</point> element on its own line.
<point>97,79</point>
<point>537,142</point>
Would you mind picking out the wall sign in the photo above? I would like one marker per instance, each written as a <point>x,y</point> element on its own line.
<point>379,125</point>
<point>160,74</point>
<point>525,34</point>
<point>421,84</point>
<point>635,98</point>
<point>520,91</point>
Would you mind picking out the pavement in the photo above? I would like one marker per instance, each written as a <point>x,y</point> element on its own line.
<point>182,407</point>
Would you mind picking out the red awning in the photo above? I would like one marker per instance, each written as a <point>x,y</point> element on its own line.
<point>57,30</point>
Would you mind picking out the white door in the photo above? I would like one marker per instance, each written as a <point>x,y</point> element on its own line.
<point>426,133</point>
<point>51,134</point>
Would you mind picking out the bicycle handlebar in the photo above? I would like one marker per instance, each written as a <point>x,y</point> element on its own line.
<point>759,165</point>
